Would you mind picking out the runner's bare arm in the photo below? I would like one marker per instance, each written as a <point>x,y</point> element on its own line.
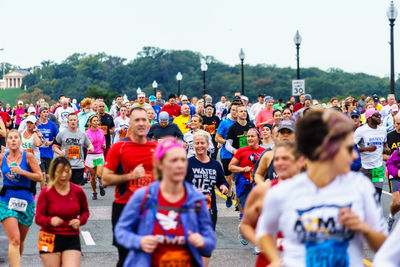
<point>267,244</point>
<point>265,161</point>
<point>3,129</point>
<point>234,166</point>
<point>252,211</point>
<point>111,178</point>
<point>56,149</point>
<point>91,148</point>
<point>219,139</point>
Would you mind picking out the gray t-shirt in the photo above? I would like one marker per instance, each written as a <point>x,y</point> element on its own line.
<point>73,143</point>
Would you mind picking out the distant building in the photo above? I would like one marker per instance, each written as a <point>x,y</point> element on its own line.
<point>13,79</point>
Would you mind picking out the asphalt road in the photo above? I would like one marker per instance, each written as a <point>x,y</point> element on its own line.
<point>96,237</point>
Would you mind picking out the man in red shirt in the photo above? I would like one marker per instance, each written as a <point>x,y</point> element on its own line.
<point>5,116</point>
<point>300,104</point>
<point>173,109</point>
<point>129,166</point>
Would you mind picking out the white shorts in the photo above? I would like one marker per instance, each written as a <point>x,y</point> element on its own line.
<point>92,160</point>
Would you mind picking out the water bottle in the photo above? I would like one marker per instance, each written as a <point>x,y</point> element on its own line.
<point>14,164</point>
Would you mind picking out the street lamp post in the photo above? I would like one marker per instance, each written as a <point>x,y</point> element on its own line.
<point>241,56</point>
<point>391,14</point>
<point>297,41</point>
<point>155,85</point>
<point>179,79</point>
<point>4,81</point>
<point>204,68</point>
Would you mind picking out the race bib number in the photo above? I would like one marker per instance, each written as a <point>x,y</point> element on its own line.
<point>208,197</point>
<point>104,128</point>
<point>29,150</point>
<point>46,242</point>
<point>97,162</point>
<point>17,204</point>
<point>242,141</point>
<point>122,134</point>
<point>141,182</point>
<point>74,152</point>
<point>176,258</point>
<point>378,174</point>
<point>210,129</point>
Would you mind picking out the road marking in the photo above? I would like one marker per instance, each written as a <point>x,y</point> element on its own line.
<point>367,262</point>
<point>223,196</point>
<point>386,193</point>
<point>88,238</point>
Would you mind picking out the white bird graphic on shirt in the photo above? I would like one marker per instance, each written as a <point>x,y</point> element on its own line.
<point>167,222</point>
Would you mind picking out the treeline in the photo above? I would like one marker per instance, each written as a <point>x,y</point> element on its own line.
<point>80,75</point>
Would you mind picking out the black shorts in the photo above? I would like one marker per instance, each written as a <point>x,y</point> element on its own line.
<point>77,176</point>
<point>117,209</point>
<point>45,164</point>
<point>65,242</point>
<point>225,165</point>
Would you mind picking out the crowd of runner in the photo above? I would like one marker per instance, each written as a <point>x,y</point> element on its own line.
<point>306,178</point>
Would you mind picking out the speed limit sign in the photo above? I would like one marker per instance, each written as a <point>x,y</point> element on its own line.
<point>298,87</point>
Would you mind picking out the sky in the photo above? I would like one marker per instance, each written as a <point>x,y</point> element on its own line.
<point>352,35</point>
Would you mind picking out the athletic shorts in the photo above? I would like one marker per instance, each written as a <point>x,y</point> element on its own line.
<point>394,185</point>
<point>77,176</point>
<point>25,218</point>
<point>245,193</point>
<point>65,242</point>
<point>45,164</point>
<point>115,214</point>
<point>91,157</point>
<point>225,165</point>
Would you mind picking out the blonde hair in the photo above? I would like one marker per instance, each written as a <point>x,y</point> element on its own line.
<point>201,133</point>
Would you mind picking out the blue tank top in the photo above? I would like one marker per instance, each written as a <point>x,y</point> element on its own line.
<point>19,180</point>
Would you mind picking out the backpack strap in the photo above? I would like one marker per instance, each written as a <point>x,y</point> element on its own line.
<point>144,200</point>
<point>197,206</point>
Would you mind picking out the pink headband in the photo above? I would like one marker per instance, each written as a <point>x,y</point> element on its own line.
<point>166,145</point>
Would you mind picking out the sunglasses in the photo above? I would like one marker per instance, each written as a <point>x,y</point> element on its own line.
<point>355,117</point>
<point>376,115</point>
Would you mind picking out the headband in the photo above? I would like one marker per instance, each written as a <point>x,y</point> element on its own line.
<point>165,145</point>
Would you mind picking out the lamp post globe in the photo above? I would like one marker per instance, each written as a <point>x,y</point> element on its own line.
<point>204,68</point>
<point>241,57</point>
<point>155,85</point>
<point>297,41</point>
<point>179,79</point>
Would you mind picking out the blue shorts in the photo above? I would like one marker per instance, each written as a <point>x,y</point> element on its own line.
<point>25,218</point>
<point>394,185</point>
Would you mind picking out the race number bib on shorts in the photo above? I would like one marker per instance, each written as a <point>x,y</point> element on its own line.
<point>378,174</point>
<point>30,151</point>
<point>97,162</point>
<point>74,152</point>
<point>46,242</point>
<point>17,204</point>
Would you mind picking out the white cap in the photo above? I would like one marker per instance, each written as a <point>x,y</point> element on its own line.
<point>31,119</point>
<point>74,101</point>
<point>141,94</point>
<point>20,102</point>
<point>31,110</point>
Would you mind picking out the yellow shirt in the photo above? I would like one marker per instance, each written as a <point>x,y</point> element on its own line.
<point>182,123</point>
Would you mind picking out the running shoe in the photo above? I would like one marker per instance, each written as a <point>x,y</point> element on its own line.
<point>229,201</point>
<point>390,222</point>
<point>256,251</point>
<point>242,239</point>
<point>102,191</point>
<point>94,197</point>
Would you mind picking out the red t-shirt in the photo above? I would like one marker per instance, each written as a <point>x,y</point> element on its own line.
<point>248,156</point>
<point>123,157</point>
<point>173,110</point>
<point>172,249</point>
<point>71,206</point>
<point>297,107</point>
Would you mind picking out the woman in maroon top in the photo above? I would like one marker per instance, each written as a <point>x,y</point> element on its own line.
<point>61,209</point>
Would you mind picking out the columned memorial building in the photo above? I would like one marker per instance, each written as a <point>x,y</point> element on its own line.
<point>13,79</point>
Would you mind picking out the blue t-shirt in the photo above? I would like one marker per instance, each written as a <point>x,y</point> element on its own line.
<point>49,132</point>
<point>206,176</point>
<point>16,180</point>
<point>223,131</point>
<point>157,110</point>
